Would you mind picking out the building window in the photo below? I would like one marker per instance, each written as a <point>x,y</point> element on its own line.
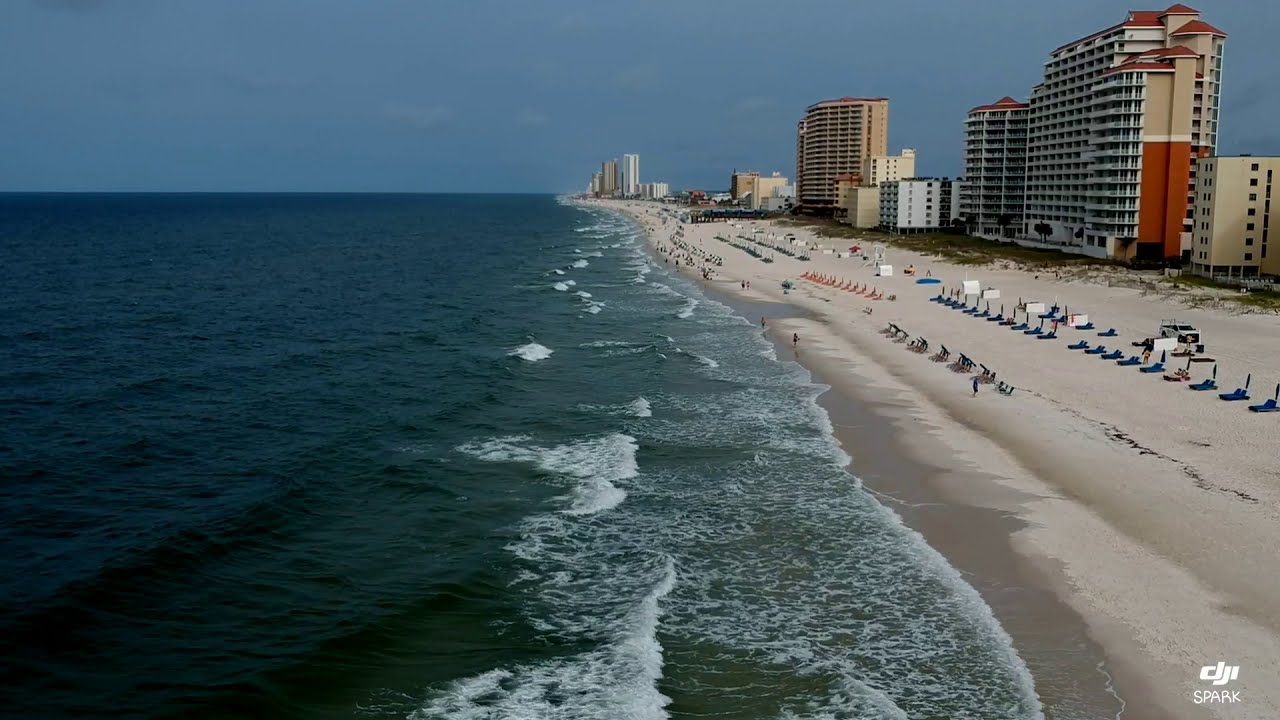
<point>1248,241</point>
<point>1254,167</point>
<point>1253,182</point>
<point>1253,197</point>
<point>1248,256</point>
<point>1253,211</point>
<point>1248,226</point>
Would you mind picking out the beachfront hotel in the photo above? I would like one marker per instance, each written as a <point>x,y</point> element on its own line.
<point>837,137</point>
<point>609,178</point>
<point>914,205</point>
<point>995,168</point>
<point>1232,217</point>
<point>630,175</point>
<point>1114,133</point>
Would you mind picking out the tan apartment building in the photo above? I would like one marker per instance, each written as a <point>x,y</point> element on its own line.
<point>1115,130</point>
<point>740,183</point>
<point>858,206</point>
<point>1232,217</point>
<point>995,168</point>
<point>837,137</point>
<point>609,178</point>
<point>887,168</point>
<point>762,188</point>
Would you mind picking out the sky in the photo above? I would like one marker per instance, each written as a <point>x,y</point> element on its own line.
<point>524,95</point>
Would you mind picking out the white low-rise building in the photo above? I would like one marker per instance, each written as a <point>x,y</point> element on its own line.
<point>919,204</point>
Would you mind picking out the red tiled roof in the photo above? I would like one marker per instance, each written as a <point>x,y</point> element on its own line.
<point>1139,66</point>
<point>1176,51</point>
<point>1143,18</point>
<point>1198,27</point>
<point>1180,9</point>
<point>1004,103</point>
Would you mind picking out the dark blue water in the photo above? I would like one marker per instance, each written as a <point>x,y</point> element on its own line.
<point>299,456</point>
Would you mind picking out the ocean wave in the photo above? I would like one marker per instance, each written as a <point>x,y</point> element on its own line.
<point>583,294</point>
<point>579,264</point>
<point>688,309</point>
<point>618,680</point>
<point>596,464</point>
<point>558,271</point>
<point>570,283</point>
<point>562,287</point>
<point>640,407</point>
<point>531,352</point>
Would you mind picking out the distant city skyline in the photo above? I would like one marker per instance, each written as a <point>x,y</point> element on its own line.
<point>320,96</point>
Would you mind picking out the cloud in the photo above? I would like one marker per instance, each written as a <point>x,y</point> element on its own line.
<point>418,116</point>
<point>530,118</point>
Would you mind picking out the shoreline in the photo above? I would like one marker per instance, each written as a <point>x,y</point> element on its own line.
<point>1035,487</point>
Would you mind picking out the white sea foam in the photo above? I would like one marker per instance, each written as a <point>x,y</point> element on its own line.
<point>596,464</point>
<point>593,309</point>
<point>579,264</point>
<point>531,352</point>
<point>562,287</point>
<point>570,283</point>
<point>688,308</point>
<point>558,271</point>
<point>593,254</point>
<point>705,360</point>
<point>583,294</point>
<point>640,408</point>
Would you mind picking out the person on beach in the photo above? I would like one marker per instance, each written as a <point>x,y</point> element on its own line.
<point>1146,356</point>
<point>762,322</point>
<point>795,339</point>
<point>975,386</point>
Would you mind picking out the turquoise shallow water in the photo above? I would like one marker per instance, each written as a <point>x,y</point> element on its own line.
<point>435,457</point>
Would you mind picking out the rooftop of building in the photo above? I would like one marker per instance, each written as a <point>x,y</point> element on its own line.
<point>1143,19</point>
<point>1197,27</point>
<point>1004,103</point>
<point>849,101</point>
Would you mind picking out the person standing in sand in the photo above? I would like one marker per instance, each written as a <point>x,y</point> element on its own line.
<point>975,386</point>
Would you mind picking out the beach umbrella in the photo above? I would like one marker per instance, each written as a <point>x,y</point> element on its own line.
<point>1164,355</point>
<point>1247,379</point>
<point>1215,371</point>
<point>1277,392</point>
<point>1001,308</point>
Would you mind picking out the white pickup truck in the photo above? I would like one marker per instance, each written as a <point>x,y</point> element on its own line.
<point>1186,333</point>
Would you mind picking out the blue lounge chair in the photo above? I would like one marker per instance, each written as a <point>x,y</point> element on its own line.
<point>1113,355</point>
<point>1086,326</point>
<point>1034,331</point>
<point>984,314</point>
<point>1047,316</point>
<point>1269,406</point>
<point>1157,367</point>
<point>1081,345</point>
<point>971,311</point>
<point>1209,384</point>
<point>1109,333</point>
<point>1130,361</point>
<point>1049,336</point>
<point>1096,351</point>
<point>1237,394</point>
<point>996,318</point>
<point>1019,326</point>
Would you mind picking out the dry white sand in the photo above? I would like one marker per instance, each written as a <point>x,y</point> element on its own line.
<point>1152,509</point>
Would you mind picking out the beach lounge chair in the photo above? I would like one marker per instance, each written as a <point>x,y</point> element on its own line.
<point>1019,326</point>
<point>1081,345</point>
<point>1086,326</point>
<point>1269,406</point>
<point>1005,388</point>
<point>984,314</point>
<point>996,318</point>
<point>1111,332</point>
<point>1052,335</point>
<point>1206,384</point>
<point>1034,331</point>
<point>1237,394</point>
<point>1101,349</point>
<point>1155,368</point>
<point>1130,361</point>
<point>971,311</point>
<point>1113,355</point>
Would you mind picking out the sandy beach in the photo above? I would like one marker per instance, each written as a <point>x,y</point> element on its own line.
<point>1147,511</point>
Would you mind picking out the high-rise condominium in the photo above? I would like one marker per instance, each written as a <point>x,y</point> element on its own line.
<point>1115,131</point>
<point>609,177</point>
<point>995,168</point>
<point>631,175</point>
<point>836,137</point>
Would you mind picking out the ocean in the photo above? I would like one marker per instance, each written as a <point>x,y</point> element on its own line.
<point>434,457</point>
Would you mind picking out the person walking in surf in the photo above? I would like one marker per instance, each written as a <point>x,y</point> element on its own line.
<point>795,340</point>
